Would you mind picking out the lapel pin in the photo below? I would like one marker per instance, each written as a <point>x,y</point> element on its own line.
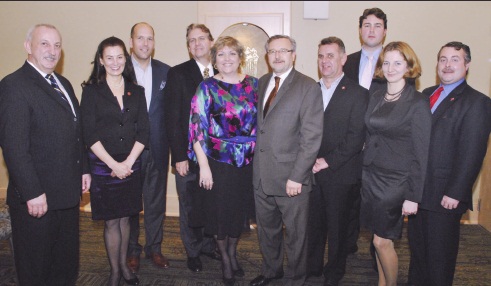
<point>452,99</point>
<point>343,87</point>
<point>129,93</point>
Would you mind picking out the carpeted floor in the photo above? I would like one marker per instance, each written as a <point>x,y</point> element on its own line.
<point>474,261</point>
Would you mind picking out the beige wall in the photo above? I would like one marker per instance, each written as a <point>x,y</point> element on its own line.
<point>426,26</point>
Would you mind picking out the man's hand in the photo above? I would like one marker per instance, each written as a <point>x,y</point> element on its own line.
<point>37,207</point>
<point>293,188</point>
<point>319,165</point>
<point>182,168</point>
<point>409,208</point>
<point>86,180</point>
<point>449,203</point>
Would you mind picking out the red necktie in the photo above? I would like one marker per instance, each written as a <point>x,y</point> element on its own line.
<point>434,97</point>
<point>272,94</point>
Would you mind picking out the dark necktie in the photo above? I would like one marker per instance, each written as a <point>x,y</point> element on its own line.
<point>434,97</point>
<point>56,87</point>
<point>206,73</point>
<point>272,95</point>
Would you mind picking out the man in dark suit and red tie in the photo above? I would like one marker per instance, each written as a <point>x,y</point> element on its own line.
<point>338,166</point>
<point>41,140</point>
<point>182,82</point>
<point>461,124</point>
<point>152,75</point>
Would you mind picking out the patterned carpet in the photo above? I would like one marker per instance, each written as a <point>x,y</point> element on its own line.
<point>474,261</point>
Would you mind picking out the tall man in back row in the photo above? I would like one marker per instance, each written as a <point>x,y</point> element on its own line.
<point>461,124</point>
<point>360,67</point>
<point>289,135</point>
<point>152,75</point>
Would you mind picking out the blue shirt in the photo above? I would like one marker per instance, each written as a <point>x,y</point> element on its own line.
<point>447,89</point>
<point>364,61</point>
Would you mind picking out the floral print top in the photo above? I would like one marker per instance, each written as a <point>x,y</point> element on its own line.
<point>223,119</point>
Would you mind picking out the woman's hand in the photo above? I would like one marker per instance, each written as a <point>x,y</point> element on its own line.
<point>120,170</point>
<point>205,177</point>
<point>409,208</point>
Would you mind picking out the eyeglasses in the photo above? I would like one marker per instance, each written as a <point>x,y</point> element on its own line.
<point>282,51</point>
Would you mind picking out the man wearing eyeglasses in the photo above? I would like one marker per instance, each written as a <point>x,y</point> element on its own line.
<point>289,135</point>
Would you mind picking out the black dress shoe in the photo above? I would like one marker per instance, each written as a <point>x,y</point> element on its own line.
<point>239,272</point>
<point>261,280</point>
<point>213,255</point>
<point>132,281</point>
<point>194,264</point>
<point>331,282</point>
<point>229,281</point>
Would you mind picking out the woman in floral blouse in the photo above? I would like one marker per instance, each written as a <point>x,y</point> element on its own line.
<point>222,133</point>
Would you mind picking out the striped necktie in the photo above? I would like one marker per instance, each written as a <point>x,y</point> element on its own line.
<point>56,87</point>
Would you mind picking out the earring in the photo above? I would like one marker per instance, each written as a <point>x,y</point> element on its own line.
<point>215,66</point>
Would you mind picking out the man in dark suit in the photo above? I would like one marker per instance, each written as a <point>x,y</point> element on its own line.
<point>152,75</point>
<point>182,82</point>
<point>41,139</point>
<point>360,67</point>
<point>338,166</point>
<point>289,135</point>
<point>460,131</point>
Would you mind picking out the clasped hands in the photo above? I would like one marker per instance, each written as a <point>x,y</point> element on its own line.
<point>121,169</point>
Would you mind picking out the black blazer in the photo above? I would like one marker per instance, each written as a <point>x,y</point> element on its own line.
<point>182,82</point>
<point>344,133</point>
<point>403,143</point>
<point>460,130</point>
<point>158,133</point>
<point>104,121</point>
<point>351,68</point>
<point>41,140</point>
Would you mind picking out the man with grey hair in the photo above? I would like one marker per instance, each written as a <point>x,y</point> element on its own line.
<point>41,139</point>
<point>289,135</point>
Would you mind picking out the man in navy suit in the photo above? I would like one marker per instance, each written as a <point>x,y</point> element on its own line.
<point>152,75</point>
<point>183,80</point>
<point>372,29</point>
<point>461,124</point>
<point>41,139</point>
<point>338,166</point>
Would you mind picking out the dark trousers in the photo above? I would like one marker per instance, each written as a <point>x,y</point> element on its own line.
<point>154,191</point>
<point>434,244</point>
<point>354,222</point>
<point>328,214</point>
<point>47,248</point>
<point>193,239</point>
<point>272,212</point>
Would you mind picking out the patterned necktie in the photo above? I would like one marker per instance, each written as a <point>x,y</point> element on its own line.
<point>434,97</point>
<point>56,87</point>
<point>206,73</point>
<point>366,77</point>
<point>272,95</point>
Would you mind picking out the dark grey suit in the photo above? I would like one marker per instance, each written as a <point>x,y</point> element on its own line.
<point>461,125</point>
<point>155,161</point>
<point>42,145</point>
<point>182,82</point>
<point>288,141</point>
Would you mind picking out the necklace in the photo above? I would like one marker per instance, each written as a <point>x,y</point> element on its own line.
<point>223,79</point>
<point>116,85</point>
<point>394,96</point>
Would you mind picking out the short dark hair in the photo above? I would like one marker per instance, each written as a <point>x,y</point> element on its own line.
<point>333,40</point>
<point>377,12</point>
<point>198,26</point>
<point>98,74</point>
<point>458,46</point>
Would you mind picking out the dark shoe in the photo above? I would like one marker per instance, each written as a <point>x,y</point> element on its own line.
<point>353,249</point>
<point>159,260</point>
<point>194,264</point>
<point>133,263</point>
<point>331,282</point>
<point>228,281</point>
<point>132,281</point>
<point>239,272</point>
<point>261,280</point>
<point>213,255</point>
<point>315,273</point>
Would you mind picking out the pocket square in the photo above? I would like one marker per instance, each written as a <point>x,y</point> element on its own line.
<point>162,85</point>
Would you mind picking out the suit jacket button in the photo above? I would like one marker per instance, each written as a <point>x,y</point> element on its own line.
<point>121,139</point>
<point>75,119</point>
<point>262,131</point>
<point>121,124</point>
<point>261,150</point>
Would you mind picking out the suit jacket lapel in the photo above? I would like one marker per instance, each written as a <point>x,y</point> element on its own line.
<point>285,86</point>
<point>337,95</point>
<point>157,85</point>
<point>453,97</point>
<point>195,72</point>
